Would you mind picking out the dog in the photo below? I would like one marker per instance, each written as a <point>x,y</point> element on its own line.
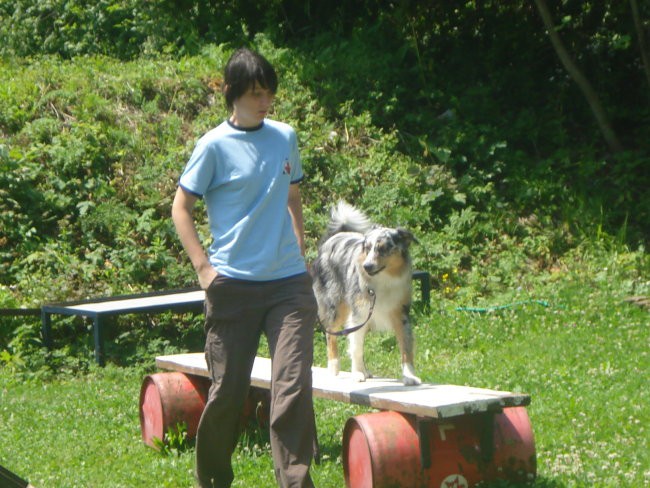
<point>362,282</point>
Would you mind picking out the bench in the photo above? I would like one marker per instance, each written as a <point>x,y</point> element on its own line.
<point>184,300</point>
<point>19,312</point>
<point>432,431</point>
<point>425,400</point>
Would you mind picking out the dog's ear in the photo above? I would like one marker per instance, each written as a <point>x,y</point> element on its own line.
<point>406,236</point>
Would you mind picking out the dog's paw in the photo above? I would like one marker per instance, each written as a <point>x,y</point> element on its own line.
<point>359,376</point>
<point>411,380</point>
<point>408,376</point>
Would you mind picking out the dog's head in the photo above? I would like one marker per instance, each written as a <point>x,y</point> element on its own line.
<point>386,250</point>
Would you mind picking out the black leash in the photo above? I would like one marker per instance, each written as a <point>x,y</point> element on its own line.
<point>350,330</point>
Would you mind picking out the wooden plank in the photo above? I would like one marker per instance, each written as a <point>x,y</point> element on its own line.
<point>157,300</point>
<point>143,303</point>
<point>426,400</point>
<point>192,363</point>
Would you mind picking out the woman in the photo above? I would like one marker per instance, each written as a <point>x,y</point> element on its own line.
<point>248,171</point>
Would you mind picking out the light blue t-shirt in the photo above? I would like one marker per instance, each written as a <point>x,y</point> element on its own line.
<point>244,178</point>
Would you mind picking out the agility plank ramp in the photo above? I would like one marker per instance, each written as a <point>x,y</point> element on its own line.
<point>429,435</point>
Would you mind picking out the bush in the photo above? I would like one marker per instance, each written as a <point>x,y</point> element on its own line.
<point>94,148</point>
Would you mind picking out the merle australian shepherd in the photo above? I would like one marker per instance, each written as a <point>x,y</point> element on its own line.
<point>362,280</point>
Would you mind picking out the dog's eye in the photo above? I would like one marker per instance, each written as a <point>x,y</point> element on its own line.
<point>383,249</point>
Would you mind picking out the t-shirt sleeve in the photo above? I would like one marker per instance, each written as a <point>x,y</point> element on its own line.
<point>199,171</point>
<point>296,165</point>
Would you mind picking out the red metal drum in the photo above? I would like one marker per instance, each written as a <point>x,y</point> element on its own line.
<point>382,450</point>
<point>514,446</point>
<point>167,399</point>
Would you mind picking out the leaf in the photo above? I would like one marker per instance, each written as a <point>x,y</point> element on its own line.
<point>431,196</point>
<point>84,207</point>
<point>460,198</point>
<point>443,154</point>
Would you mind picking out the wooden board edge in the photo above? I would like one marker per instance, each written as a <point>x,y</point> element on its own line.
<point>164,362</point>
<point>500,401</point>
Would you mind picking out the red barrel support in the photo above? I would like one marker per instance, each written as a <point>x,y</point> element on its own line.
<point>169,399</point>
<point>382,450</point>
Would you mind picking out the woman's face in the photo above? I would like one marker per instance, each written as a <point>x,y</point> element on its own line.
<point>252,107</point>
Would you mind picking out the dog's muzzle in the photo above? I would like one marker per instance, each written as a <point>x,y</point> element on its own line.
<point>372,270</point>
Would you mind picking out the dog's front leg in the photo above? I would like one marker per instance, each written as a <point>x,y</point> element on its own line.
<point>332,355</point>
<point>356,340</point>
<point>404,335</point>
<point>408,375</point>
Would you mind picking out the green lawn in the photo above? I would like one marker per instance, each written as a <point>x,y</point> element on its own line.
<point>583,359</point>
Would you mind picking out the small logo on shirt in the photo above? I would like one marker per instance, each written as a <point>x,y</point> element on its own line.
<point>287,167</point>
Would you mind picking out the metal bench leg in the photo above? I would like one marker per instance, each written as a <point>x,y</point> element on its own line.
<point>99,339</point>
<point>425,286</point>
<point>426,289</point>
<point>46,329</point>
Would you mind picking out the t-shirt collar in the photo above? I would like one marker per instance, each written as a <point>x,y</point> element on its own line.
<point>245,129</point>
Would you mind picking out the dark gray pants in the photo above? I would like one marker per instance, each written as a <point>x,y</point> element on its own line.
<point>236,314</point>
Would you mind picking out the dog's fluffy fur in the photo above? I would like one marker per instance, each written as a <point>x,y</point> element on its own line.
<point>356,256</point>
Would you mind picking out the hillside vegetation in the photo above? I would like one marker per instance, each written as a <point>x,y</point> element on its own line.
<point>523,175</point>
<point>458,123</point>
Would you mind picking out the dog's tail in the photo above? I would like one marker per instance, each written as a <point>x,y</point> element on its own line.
<point>346,218</point>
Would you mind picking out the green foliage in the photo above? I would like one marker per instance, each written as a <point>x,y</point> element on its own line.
<point>456,121</point>
<point>94,147</point>
<point>583,359</point>
<point>175,442</point>
<point>120,28</point>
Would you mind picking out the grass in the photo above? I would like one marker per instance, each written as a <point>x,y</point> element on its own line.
<point>84,432</point>
<point>583,359</point>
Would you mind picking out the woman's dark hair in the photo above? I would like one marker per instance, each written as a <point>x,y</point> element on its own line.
<point>244,68</point>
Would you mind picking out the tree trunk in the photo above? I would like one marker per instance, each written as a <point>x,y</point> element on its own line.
<point>639,32</point>
<point>580,79</point>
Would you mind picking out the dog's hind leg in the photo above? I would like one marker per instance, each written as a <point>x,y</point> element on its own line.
<point>337,321</point>
<point>404,335</point>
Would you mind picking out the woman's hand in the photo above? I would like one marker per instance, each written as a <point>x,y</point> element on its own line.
<point>207,276</point>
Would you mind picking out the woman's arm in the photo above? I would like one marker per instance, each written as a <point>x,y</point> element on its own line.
<point>295,209</point>
<point>186,230</point>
